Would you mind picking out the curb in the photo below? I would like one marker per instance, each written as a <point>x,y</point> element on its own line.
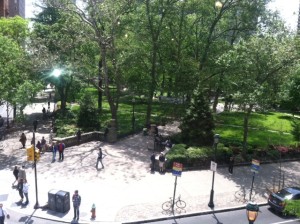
<point>192,214</point>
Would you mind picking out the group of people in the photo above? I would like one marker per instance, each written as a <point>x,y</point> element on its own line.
<point>23,187</point>
<point>60,148</point>
<point>22,184</point>
<point>41,145</point>
<point>161,162</point>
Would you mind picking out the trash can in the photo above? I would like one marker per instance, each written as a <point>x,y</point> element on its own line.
<point>52,199</point>
<point>62,201</point>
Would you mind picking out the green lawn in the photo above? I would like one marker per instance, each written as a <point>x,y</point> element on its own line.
<point>264,129</point>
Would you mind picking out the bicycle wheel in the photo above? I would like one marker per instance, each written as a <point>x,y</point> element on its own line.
<point>180,204</point>
<point>167,206</point>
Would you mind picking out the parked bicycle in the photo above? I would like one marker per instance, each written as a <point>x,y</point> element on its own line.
<point>178,202</point>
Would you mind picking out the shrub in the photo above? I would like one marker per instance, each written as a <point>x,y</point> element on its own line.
<point>88,114</point>
<point>198,124</point>
<point>273,154</point>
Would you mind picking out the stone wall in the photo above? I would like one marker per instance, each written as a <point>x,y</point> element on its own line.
<point>85,137</point>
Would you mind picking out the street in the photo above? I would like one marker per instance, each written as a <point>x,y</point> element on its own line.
<point>265,216</point>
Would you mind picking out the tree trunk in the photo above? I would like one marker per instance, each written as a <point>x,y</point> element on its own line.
<point>100,87</point>
<point>153,85</point>
<point>216,100</point>
<point>110,99</point>
<point>7,115</point>
<point>246,129</point>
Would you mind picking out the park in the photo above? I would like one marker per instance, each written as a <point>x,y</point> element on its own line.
<point>224,74</point>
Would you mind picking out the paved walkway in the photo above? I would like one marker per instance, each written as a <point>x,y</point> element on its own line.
<point>125,190</point>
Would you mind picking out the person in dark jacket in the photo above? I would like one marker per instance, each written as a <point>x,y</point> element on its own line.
<point>162,160</point>
<point>16,174</point>
<point>35,124</point>
<point>3,214</point>
<point>61,149</point>
<point>78,135</point>
<point>23,139</point>
<point>20,189</point>
<point>152,158</point>
<point>99,159</point>
<point>231,163</point>
<point>76,204</point>
<point>39,146</point>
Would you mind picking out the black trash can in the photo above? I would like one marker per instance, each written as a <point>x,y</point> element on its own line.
<point>62,201</point>
<point>52,199</point>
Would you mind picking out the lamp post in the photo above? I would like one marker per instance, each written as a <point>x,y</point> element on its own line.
<point>133,117</point>
<point>252,212</point>
<point>218,4</point>
<point>211,200</point>
<point>36,206</point>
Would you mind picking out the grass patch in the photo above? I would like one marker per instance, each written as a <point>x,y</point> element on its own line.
<point>264,129</point>
<point>274,121</point>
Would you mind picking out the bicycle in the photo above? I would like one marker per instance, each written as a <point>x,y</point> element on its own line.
<point>166,206</point>
<point>242,194</point>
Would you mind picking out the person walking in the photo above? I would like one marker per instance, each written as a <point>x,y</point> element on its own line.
<point>20,189</point>
<point>3,214</point>
<point>152,158</point>
<point>231,163</point>
<point>76,204</point>
<point>44,113</point>
<point>161,159</point>
<point>99,159</point>
<point>23,139</point>
<point>16,173</point>
<point>25,191</point>
<point>35,124</point>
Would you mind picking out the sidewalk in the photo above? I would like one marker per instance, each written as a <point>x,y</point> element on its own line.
<point>125,190</point>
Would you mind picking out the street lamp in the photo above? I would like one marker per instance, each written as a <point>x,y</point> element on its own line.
<point>36,206</point>
<point>252,212</point>
<point>133,117</point>
<point>218,4</point>
<point>213,164</point>
<point>56,72</point>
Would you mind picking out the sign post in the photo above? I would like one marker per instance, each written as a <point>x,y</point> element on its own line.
<point>177,170</point>
<point>255,166</point>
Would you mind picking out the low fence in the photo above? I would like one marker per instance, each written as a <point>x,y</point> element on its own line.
<point>85,137</point>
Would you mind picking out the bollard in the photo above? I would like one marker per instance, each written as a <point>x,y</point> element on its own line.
<point>93,211</point>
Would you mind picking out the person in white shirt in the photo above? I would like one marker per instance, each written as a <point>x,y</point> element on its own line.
<point>3,214</point>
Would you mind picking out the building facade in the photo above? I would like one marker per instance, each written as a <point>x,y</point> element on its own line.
<point>11,8</point>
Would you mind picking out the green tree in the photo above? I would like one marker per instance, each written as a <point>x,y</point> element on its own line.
<point>257,72</point>
<point>103,19</point>
<point>88,114</point>
<point>198,124</point>
<point>62,43</point>
<point>296,129</point>
<point>14,62</point>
